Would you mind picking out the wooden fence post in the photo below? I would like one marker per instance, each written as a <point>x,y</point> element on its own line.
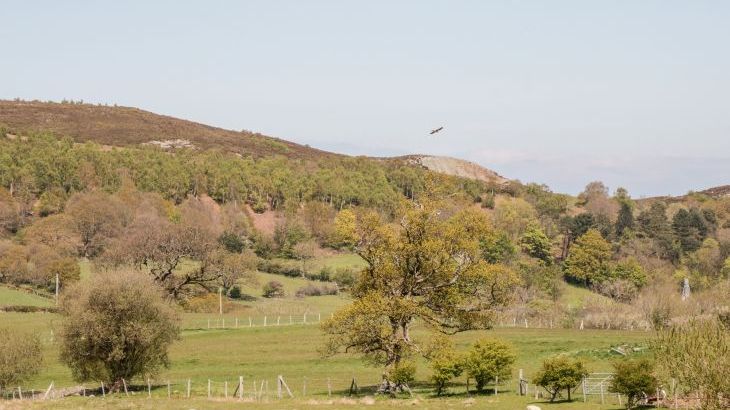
<point>496,385</point>
<point>149,388</point>
<point>124,383</point>
<point>188,395</point>
<point>48,391</point>
<point>20,393</point>
<point>278,318</point>
<point>103,392</point>
<point>169,392</point>
<point>602,399</point>
<point>225,389</point>
<point>208,388</point>
<point>304,388</point>
<point>249,322</point>
<point>329,387</point>
<point>264,320</point>
<point>584,390</point>
<point>240,387</point>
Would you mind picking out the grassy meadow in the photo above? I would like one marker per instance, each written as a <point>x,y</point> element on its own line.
<point>213,347</point>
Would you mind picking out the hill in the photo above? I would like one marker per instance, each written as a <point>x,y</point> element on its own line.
<point>456,167</point>
<point>125,126</point>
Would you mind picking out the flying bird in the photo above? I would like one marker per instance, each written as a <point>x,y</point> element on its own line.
<point>436,130</point>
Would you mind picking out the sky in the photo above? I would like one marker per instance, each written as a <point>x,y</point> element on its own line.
<point>633,93</point>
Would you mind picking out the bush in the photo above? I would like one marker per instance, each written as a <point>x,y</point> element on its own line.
<point>273,289</point>
<point>403,374</point>
<point>696,354</point>
<point>345,277</point>
<point>116,326</point>
<point>234,292</point>
<point>232,242</point>
<point>633,378</point>
<point>487,359</point>
<point>21,357</point>
<point>560,373</point>
<point>316,290</point>
<point>279,269</point>
<point>445,366</point>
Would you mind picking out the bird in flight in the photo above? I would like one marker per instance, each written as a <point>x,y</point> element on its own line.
<point>436,130</point>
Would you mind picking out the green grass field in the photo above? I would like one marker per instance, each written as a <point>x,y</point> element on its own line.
<point>16,297</point>
<point>208,349</point>
<point>261,353</point>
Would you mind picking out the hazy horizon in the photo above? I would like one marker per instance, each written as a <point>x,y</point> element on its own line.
<point>632,94</point>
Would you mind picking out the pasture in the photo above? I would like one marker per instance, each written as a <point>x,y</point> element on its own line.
<point>261,339</point>
<point>259,354</point>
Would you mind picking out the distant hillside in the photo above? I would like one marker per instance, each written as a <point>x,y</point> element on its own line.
<point>456,167</point>
<point>123,126</point>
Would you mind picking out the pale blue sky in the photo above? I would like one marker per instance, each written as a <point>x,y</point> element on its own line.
<point>634,93</point>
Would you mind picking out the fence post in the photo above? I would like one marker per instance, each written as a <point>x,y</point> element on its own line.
<point>124,383</point>
<point>264,321</point>
<point>225,389</point>
<point>188,395</point>
<point>584,390</point>
<point>169,392</point>
<point>319,317</point>
<point>278,318</point>
<point>240,387</point>
<point>496,385</point>
<point>278,386</point>
<point>329,387</point>
<point>208,388</point>
<point>602,400</point>
<point>304,389</point>
<point>236,323</point>
<point>20,393</point>
<point>305,318</point>
<point>149,388</point>
<point>103,392</point>
<point>249,322</point>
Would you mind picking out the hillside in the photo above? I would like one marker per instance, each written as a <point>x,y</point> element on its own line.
<point>124,126</point>
<point>456,167</point>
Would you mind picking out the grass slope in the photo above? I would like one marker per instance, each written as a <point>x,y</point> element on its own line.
<point>124,126</point>
<point>15,297</point>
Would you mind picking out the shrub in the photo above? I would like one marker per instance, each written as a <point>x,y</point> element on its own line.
<point>633,377</point>
<point>116,326</point>
<point>344,277</point>
<point>487,359</point>
<point>21,357</point>
<point>232,242</point>
<point>234,292</point>
<point>560,373</point>
<point>402,374</point>
<point>445,366</point>
<point>316,290</point>
<point>696,354</point>
<point>273,289</point>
